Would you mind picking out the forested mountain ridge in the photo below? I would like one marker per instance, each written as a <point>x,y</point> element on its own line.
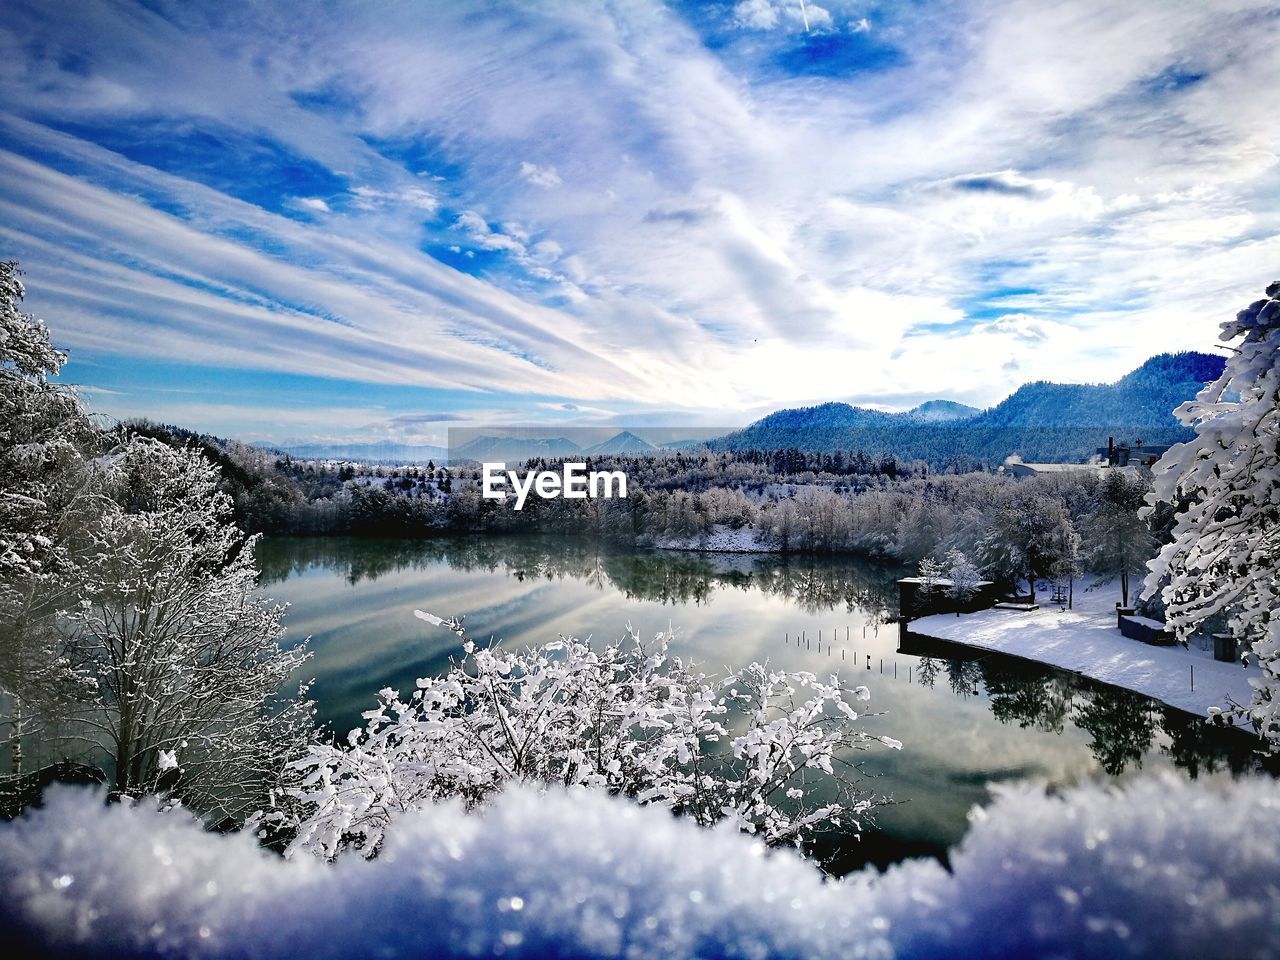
<point>1056,422</point>
<point>1144,397</point>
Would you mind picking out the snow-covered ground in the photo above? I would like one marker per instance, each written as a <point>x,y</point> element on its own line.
<point>1163,868</point>
<point>1087,641</point>
<point>721,539</point>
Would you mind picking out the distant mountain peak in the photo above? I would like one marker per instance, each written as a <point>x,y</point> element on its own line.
<point>625,442</point>
<point>942,411</point>
<point>514,449</point>
<point>1042,421</point>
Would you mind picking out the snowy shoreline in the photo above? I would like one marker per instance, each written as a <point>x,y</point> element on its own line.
<point>1086,641</point>
<point>721,539</point>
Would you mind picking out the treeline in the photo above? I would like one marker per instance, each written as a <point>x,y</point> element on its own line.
<point>1051,527</point>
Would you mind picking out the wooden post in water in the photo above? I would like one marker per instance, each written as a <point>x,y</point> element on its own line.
<point>1193,676</point>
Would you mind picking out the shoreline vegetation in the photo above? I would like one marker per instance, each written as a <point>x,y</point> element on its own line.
<point>778,501</point>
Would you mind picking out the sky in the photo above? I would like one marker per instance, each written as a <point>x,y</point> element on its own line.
<point>331,222</point>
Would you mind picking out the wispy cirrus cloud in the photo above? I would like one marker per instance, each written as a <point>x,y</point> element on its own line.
<point>711,208</point>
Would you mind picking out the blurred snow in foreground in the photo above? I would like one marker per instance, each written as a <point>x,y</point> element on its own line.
<point>1165,868</point>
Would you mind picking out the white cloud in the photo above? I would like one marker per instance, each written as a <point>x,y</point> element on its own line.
<point>415,198</point>
<point>545,177</point>
<point>790,14</point>
<point>478,232</point>
<point>697,211</point>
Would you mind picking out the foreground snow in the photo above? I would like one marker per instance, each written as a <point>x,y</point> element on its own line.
<point>1166,868</point>
<point>1086,641</point>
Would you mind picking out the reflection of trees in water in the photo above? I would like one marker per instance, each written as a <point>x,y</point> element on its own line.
<point>817,586</point>
<point>1199,747</point>
<point>813,584</point>
<point>1123,727</point>
<point>963,677</point>
<point>1027,698</point>
<point>927,670</point>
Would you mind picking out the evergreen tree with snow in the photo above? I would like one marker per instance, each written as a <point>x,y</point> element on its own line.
<point>1021,539</point>
<point>1120,543</point>
<point>1224,557</point>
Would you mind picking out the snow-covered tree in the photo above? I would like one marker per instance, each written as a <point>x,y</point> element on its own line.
<point>962,576</point>
<point>46,495</point>
<point>931,573</point>
<point>1064,565</point>
<point>1021,535</point>
<point>183,669</point>
<point>1120,542</point>
<point>622,717</point>
<point>1224,557</point>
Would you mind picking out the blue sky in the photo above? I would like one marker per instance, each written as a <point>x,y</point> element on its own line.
<point>366,221</point>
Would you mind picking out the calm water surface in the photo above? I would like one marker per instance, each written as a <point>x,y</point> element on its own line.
<point>966,722</point>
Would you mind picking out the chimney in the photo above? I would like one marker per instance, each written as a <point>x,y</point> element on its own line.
<point>1111,450</point>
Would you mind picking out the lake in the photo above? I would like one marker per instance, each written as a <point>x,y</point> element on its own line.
<point>966,720</point>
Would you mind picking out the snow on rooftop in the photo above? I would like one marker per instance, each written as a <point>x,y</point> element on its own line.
<point>1087,641</point>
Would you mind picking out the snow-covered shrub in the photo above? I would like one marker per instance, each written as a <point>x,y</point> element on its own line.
<point>1224,556</point>
<point>1163,868</point>
<point>622,717</point>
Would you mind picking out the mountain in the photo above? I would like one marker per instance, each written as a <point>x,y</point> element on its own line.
<point>1041,422</point>
<point>942,411</point>
<point>1141,400</point>
<point>384,451</point>
<point>625,443</point>
<point>514,449</point>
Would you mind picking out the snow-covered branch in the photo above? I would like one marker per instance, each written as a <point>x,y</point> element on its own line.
<point>623,717</point>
